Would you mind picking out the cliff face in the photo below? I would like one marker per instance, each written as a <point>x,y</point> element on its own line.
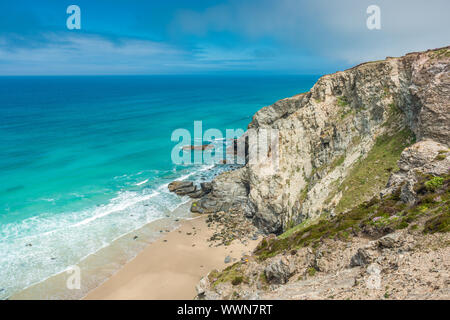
<point>339,142</point>
<point>366,152</point>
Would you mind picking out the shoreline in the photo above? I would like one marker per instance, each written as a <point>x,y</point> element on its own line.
<point>171,266</point>
<point>99,266</point>
<point>105,267</point>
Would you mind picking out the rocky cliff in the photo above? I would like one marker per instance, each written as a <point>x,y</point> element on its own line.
<point>361,193</point>
<point>340,142</point>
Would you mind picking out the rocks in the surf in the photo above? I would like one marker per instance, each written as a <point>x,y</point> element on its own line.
<point>182,188</point>
<point>197,148</point>
<point>206,187</point>
<point>187,188</point>
<point>226,194</point>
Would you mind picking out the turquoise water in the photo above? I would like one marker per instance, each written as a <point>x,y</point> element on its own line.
<point>85,160</point>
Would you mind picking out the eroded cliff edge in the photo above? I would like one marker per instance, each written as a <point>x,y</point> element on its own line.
<point>340,142</point>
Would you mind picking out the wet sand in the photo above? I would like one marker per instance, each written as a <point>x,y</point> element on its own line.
<point>170,267</point>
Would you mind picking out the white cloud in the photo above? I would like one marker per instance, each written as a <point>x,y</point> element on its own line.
<point>334,29</point>
<point>81,54</point>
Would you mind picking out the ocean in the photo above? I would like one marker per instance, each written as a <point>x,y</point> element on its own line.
<point>87,160</point>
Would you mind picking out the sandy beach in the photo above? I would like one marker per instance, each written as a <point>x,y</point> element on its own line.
<point>170,267</point>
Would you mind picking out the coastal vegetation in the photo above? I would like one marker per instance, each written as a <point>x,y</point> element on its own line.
<point>372,172</point>
<point>376,217</point>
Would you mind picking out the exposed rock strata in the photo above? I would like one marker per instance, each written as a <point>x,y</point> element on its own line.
<point>187,188</point>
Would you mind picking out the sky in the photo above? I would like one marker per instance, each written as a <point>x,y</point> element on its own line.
<point>137,37</point>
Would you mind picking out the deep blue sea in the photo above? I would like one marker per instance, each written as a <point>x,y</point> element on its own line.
<point>85,160</point>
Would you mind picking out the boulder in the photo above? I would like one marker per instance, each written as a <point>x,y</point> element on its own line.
<point>363,257</point>
<point>176,185</point>
<point>187,188</point>
<point>206,187</point>
<point>202,286</point>
<point>424,157</point>
<point>279,270</point>
<point>390,241</point>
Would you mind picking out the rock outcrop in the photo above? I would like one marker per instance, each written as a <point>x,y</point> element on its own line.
<point>187,188</point>
<point>329,140</point>
<point>423,158</point>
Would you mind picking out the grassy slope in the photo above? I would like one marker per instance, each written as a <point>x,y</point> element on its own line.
<point>370,174</point>
<point>431,213</point>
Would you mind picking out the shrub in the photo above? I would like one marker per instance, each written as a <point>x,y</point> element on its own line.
<point>434,183</point>
<point>311,271</point>
<point>342,101</point>
<point>237,280</point>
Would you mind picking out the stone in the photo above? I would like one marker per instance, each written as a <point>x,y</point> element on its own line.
<point>420,157</point>
<point>175,185</point>
<point>361,258</point>
<point>202,286</point>
<point>206,187</point>
<point>187,188</point>
<point>227,259</point>
<point>279,270</point>
<point>390,241</point>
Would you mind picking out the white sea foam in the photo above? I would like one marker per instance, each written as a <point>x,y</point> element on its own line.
<point>122,202</point>
<point>60,240</point>
<point>142,182</point>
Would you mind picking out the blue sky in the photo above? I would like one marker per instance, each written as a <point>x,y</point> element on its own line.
<point>212,36</point>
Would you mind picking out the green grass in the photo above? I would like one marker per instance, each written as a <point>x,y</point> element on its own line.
<point>434,183</point>
<point>371,173</point>
<point>444,52</point>
<point>440,223</point>
<point>311,271</point>
<point>342,101</point>
<point>231,274</point>
<point>337,162</point>
<point>442,154</point>
<point>394,109</point>
<point>295,229</point>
